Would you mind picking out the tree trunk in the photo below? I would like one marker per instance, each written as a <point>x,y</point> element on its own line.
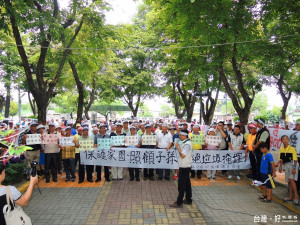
<point>2,99</point>
<point>80,91</point>
<point>7,100</point>
<point>42,105</point>
<point>179,114</point>
<point>32,104</point>
<point>91,100</point>
<point>285,95</point>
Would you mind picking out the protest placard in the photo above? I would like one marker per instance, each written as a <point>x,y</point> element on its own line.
<point>86,145</point>
<point>198,139</point>
<point>33,139</point>
<point>213,140</point>
<point>66,141</point>
<point>104,143</point>
<point>149,139</point>
<point>117,140</point>
<point>131,140</point>
<point>50,139</point>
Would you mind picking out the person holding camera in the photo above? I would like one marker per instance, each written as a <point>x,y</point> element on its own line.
<point>19,199</point>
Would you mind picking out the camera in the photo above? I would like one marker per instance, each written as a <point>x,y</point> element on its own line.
<point>33,168</point>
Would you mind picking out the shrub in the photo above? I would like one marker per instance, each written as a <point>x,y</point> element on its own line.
<point>14,172</point>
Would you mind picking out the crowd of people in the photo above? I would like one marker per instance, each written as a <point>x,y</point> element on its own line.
<point>254,138</point>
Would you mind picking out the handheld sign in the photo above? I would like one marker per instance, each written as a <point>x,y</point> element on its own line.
<point>86,145</point>
<point>198,139</point>
<point>117,140</point>
<point>67,141</point>
<point>50,139</point>
<point>131,140</point>
<point>149,139</point>
<point>213,140</point>
<point>33,139</point>
<point>104,143</point>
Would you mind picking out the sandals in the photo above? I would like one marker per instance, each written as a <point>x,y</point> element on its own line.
<point>287,200</point>
<point>266,200</point>
<point>262,197</point>
<point>296,201</point>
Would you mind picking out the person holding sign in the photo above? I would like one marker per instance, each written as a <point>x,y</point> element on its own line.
<point>236,141</point>
<point>68,157</point>
<point>80,143</point>
<point>164,141</point>
<point>117,172</point>
<point>51,155</point>
<point>185,150</point>
<point>196,146</point>
<point>133,172</point>
<point>211,174</point>
<point>148,173</point>
<point>101,135</point>
<point>34,153</point>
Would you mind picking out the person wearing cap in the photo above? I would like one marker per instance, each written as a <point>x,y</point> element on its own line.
<point>236,141</point>
<point>10,125</point>
<point>52,152</point>
<point>117,172</point>
<point>95,131</point>
<point>68,157</point>
<point>58,130</point>
<point>76,136</point>
<point>262,136</point>
<point>229,127</point>
<point>73,130</point>
<point>175,139</point>
<point>142,130</point>
<point>89,168</point>
<point>34,153</point>
<point>41,168</point>
<point>185,125</point>
<point>196,131</point>
<point>133,172</point>
<point>249,148</point>
<point>102,134</point>
<point>125,128</point>
<point>211,174</point>
<point>185,150</point>
<point>164,141</point>
<point>148,173</point>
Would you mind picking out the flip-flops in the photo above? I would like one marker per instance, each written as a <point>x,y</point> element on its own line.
<point>287,200</point>
<point>266,200</point>
<point>296,201</point>
<point>262,197</point>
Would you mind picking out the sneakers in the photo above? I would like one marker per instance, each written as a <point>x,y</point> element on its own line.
<point>187,202</point>
<point>229,177</point>
<point>175,177</point>
<point>238,177</point>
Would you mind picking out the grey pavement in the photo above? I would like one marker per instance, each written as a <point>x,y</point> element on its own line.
<point>61,205</point>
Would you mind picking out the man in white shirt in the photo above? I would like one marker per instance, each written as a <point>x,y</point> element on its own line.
<point>164,141</point>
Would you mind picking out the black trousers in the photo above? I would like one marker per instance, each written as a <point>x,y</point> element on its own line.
<point>77,157</point>
<point>89,171</point>
<point>59,161</point>
<point>253,163</point>
<point>134,172</point>
<point>258,156</point>
<point>148,172</point>
<point>193,172</point>
<point>298,181</point>
<point>51,163</point>
<point>160,173</point>
<point>184,185</point>
<point>106,172</point>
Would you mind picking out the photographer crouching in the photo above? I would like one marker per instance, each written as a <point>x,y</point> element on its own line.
<point>17,197</point>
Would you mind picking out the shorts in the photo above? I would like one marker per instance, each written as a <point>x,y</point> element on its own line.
<point>288,167</point>
<point>42,159</point>
<point>263,178</point>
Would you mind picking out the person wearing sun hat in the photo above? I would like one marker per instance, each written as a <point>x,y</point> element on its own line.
<point>249,148</point>
<point>196,131</point>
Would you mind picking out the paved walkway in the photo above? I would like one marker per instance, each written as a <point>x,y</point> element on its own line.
<point>221,201</point>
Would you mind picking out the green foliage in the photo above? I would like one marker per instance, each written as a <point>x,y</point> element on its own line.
<point>145,112</point>
<point>236,118</point>
<point>17,150</point>
<point>166,111</point>
<point>14,172</point>
<point>32,117</point>
<point>297,120</point>
<point>265,117</point>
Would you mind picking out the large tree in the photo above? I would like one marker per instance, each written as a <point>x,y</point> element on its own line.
<point>51,27</point>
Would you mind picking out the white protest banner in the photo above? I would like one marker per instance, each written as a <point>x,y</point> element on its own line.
<point>117,140</point>
<point>104,143</point>
<point>198,139</point>
<point>132,157</point>
<point>33,139</point>
<point>131,140</point>
<point>275,138</point>
<point>66,141</point>
<point>86,145</point>
<point>162,159</point>
<point>220,160</point>
<point>213,140</point>
<point>149,139</point>
<point>50,139</point>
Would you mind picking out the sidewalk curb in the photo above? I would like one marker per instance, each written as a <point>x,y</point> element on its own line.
<point>275,198</point>
<point>24,186</point>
